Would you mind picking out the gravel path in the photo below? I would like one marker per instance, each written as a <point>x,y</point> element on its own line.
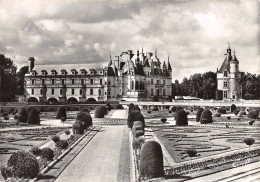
<point>105,158</point>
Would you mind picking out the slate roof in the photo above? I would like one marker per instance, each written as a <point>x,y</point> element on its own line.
<point>225,65</point>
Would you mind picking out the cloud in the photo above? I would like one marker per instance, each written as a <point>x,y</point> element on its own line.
<point>193,33</point>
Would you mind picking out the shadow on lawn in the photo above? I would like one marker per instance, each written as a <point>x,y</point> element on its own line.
<point>42,177</point>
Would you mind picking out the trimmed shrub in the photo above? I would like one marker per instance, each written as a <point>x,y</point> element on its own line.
<point>236,112</point>
<point>35,151</point>
<point>138,124</point>
<point>61,113</point>
<point>198,115</point>
<point>151,160</point>
<point>85,118</point>
<point>6,118</point>
<point>242,113</point>
<point>84,109</point>
<point>206,117</point>
<point>47,153</point>
<point>222,110</point>
<point>170,111</point>
<point>138,133</point>
<point>249,141</point>
<point>134,116</point>
<point>251,122</point>
<point>176,111</point>
<point>130,107</point>
<point>253,114</point>
<point>181,118</point>
<point>119,106</point>
<point>11,110</point>
<point>55,138</point>
<point>233,107</point>
<point>108,107</point>
<point>7,172</point>
<point>163,120</point>
<point>78,127</point>
<point>28,110</point>
<point>62,144</point>
<point>228,117</point>
<point>155,108</point>
<point>217,115</point>
<point>34,117</point>
<point>5,114</point>
<point>22,115</point>
<point>149,112</point>
<point>67,132</point>
<point>23,164</point>
<point>173,108</point>
<point>99,112</point>
<point>136,108</point>
<point>16,117</point>
<point>63,119</point>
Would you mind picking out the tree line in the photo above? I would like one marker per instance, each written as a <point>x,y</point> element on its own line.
<point>204,86</point>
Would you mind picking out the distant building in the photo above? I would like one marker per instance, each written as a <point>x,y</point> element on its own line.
<point>130,77</point>
<point>229,76</point>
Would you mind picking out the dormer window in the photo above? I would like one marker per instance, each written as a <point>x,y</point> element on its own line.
<point>33,73</point>
<point>63,72</point>
<point>44,72</point>
<point>53,72</point>
<point>83,71</point>
<point>74,72</point>
<point>225,73</point>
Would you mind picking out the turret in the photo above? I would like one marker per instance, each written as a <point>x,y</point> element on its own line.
<point>31,64</point>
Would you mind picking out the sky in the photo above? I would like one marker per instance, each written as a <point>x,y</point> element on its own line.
<point>193,33</point>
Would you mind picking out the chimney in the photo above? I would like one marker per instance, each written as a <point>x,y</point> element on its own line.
<point>116,60</point>
<point>31,65</point>
<point>130,53</point>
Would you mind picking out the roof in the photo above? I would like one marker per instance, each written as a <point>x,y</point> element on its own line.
<point>225,65</point>
<point>68,67</point>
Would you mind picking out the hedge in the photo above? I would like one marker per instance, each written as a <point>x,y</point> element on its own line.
<point>134,116</point>
<point>34,117</point>
<point>206,117</point>
<point>151,161</point>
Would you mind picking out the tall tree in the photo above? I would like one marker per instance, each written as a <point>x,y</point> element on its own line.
<point>20,80</point>
<point>7,79</point>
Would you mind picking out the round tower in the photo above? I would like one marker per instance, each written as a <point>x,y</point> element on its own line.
<point>234,85</point>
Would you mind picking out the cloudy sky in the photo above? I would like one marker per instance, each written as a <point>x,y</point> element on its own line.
<point>194,33</point>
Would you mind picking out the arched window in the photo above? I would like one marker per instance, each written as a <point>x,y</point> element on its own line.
<point>99,92</point>
<point>132,85</point>
<point>136,85</point>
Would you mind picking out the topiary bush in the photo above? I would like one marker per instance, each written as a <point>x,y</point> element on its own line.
<point>170,111</point>
<point>34,117</point>
<point>138,133</point>
<point>217,115</point>
<point>138,124</point>
<point>181,118</point>
<point>151,161</point>
<point>134,116</point>
<point>6,118</point>
<point>61,112</point>
<point>78,127</point>
<point>7,172</point>
<point>23,164</point>
<point>47,153</point>
<point>149,112</point>
<point>163,120</point>
<point>85,118</point>
<point>251,122</point>
<point>22,115</point>
<point>233,107</point>
<point>84,109</point>
<point>222,110</point>
<point>16,117</point>
<point>236,112</point>
<point>108,107</point>
<point>62,144</point>
<point>130,107</point>
<point>28,110</point>
<point>5,114</point>
<point>253,114</point>
<point>176,111</point>
<point>99,112</point>
<point>228,117</point>
<point>119,106</point>
<point>35,151</point>
<point>206,117</point>
<point>198,115</point>
<point>55,138</point>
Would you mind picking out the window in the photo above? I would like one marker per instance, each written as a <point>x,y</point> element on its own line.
<point>108,83</point>
<point>109,93</point>
<point>105,83</point>
<point>61,91</point>
<point>91,91</point>
<point>158,82</point>
<point>164,82</point>
<point>32,91</point>
<point>99,92</point>
<point>225,84</point>
<point>91,81</point>
<point>32,81</point>
<point>163,91</point>
<point>105,73</point>
<point>225,73</point>
<point>105,93</point>
<point>80,91</point>
<point>52,91</point>
<point>72,91</point>
<point>62,81</point>
<point>132,85</point>
<point>52,81</point>
<point>72,81</point>
<point>100,81</point>
<point>82,81</point>
<point>225,94</point>
<point>151,81</point>
<point>43,82</point>
<point>151,92</point>
<point>41,92</point>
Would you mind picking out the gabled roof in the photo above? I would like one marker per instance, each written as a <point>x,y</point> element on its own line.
<point>169,66</point>
<point>146,63</point>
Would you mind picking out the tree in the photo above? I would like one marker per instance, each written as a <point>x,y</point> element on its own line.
<point>20,80</point>
<point>191,153</point>
<point>249,142</point>
<point>7,79</point>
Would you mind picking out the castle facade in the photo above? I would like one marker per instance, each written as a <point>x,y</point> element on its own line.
<point>127,77</point>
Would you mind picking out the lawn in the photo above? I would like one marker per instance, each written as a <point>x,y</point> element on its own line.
<point>207,141</point>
